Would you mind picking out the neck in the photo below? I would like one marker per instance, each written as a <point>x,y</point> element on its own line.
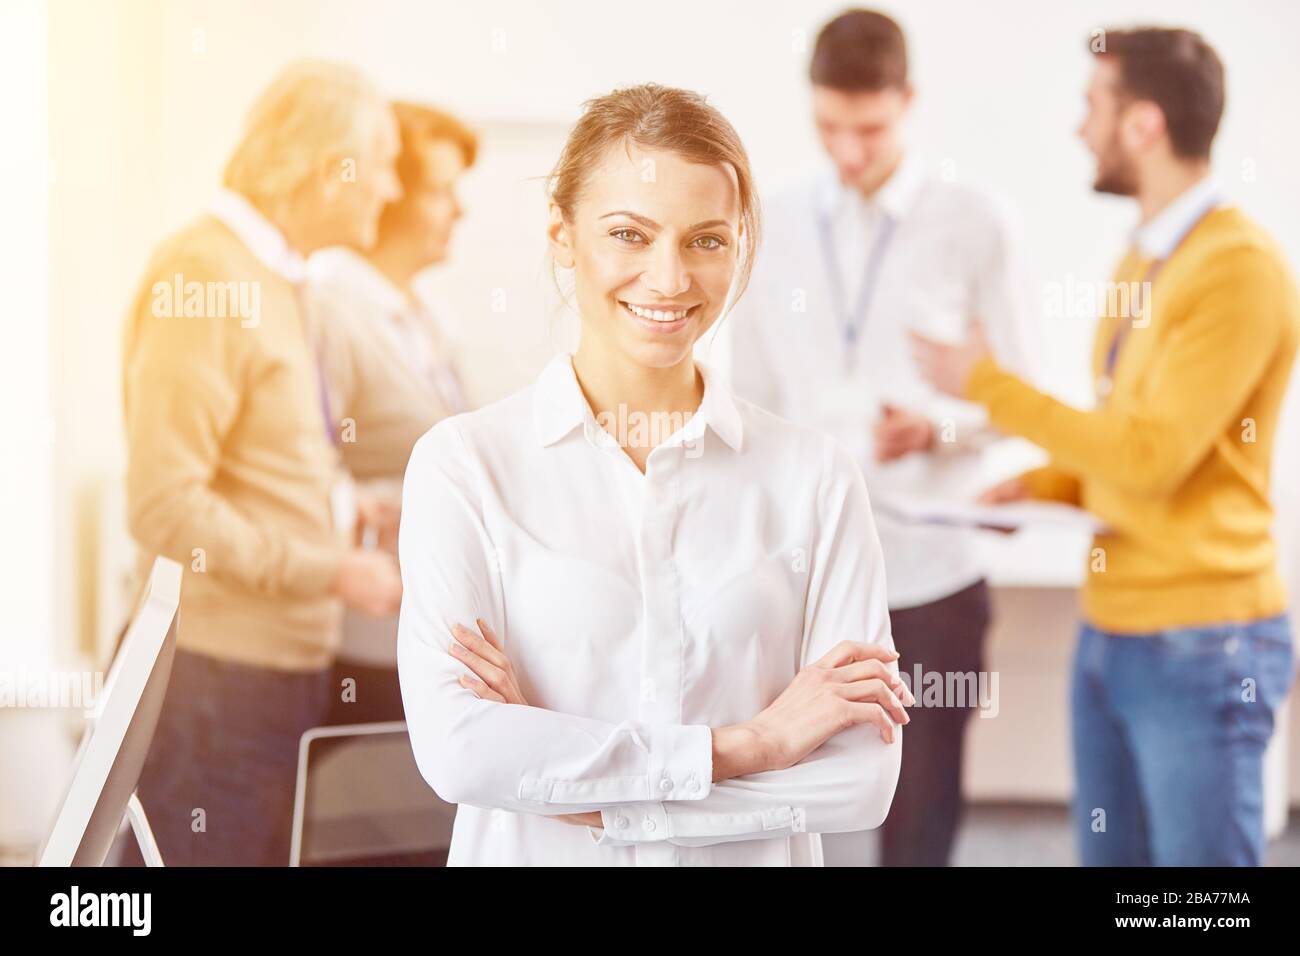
<point>1161,188</point>
<point>300,237</point>
<point>395,266</point>
<point>617,388</point>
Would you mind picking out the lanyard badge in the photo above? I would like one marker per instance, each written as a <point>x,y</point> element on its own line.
<point>850,322</point>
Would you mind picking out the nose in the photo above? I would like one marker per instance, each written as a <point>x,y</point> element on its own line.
<point>848,153</point>
<point>667,275</point>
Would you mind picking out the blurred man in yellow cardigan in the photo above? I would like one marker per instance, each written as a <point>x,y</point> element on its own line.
<point>1185,651</point>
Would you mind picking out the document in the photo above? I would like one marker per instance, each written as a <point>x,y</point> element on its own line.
<point>1008,517</point>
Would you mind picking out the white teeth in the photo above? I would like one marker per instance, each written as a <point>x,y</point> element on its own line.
<point>657,315</point>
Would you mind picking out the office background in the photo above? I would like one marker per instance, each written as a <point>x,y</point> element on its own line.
<point>144,98</point>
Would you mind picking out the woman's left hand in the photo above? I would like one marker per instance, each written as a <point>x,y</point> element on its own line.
<point>484,655</point>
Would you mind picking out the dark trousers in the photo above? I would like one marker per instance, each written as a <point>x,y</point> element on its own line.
<point>373,695</point>
<point>218,785</point>
<point>943,638</point>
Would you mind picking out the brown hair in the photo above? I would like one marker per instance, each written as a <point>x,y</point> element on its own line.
<point>656,117</point>
<point>1176,70</point>
<point>859,51</point>
<point>419,126</point>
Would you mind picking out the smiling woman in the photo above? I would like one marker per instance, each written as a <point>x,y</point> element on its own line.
<point>681,650</point>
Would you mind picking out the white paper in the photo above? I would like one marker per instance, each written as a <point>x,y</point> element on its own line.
<point>1014,515</point>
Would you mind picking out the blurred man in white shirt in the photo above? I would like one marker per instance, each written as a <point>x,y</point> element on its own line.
<point>857,255</point>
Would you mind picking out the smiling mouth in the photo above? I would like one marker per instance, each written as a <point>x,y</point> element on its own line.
<point>660,316</point>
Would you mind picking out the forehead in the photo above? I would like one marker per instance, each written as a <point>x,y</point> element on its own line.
<point>1105,75</point>
<point>662,185</point>
<point>387,138</point>
<point>856,106</point>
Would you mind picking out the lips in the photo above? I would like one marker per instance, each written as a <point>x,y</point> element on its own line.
<point>659,318</point>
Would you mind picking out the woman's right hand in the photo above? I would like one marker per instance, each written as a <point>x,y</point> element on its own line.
<point>852,684</point>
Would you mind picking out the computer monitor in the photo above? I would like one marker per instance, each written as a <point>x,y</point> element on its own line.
<point>362,801</point>
<point>118,734</point>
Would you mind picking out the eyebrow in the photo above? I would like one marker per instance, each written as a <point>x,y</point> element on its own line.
<point>651,224</point>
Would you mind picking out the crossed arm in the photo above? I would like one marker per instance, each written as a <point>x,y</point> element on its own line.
<point>825,758</point>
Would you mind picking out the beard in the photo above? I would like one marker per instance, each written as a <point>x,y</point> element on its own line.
<point>1116,174</point>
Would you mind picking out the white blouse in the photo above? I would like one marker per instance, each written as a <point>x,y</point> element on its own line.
<point>639,611</point>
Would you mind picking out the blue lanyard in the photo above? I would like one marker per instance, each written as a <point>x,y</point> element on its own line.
<point>1106,382</point>
<point>851,322</point>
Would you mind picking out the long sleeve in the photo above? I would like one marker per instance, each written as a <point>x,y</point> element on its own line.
<point>486,753</point>
<point>183,383</point>
<point>846,784</point>
<point>1198,380</point>
<point>1049,483</point>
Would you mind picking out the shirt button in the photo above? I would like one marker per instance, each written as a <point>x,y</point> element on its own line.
<point>1230,645</point>
<point>620,821</point>
<point>665,784</point>
<point>649,824</point>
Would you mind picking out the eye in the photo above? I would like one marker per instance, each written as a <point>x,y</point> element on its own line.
<point>709,242</point>
<point>625,234</point>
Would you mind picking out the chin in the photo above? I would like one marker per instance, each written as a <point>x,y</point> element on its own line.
<point>1113,186</point>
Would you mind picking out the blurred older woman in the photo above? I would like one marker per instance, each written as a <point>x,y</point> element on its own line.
<point>390,367</point>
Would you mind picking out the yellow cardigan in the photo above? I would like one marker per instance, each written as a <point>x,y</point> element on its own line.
<point>1176,461</point>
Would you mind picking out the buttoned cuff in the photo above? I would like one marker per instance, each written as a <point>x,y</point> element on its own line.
<point>635,823</point>
<point>679,767</point>
<point>681,762</point>
<point>631,823</point>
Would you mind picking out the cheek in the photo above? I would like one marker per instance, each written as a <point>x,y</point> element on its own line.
<point>715,277</point>
<point>603,272</point>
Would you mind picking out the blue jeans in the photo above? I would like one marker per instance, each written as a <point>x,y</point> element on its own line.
<point>1169,730</point>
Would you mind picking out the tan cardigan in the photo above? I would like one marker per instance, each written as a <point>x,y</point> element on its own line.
<point>229,465</point>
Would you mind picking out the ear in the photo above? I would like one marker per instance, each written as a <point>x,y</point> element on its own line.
<point>1144,124</point>
<point>560,237</point>
<point>329,174</point>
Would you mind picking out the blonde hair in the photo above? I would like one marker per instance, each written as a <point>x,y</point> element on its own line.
<point>664,118</point>
<point>311,108</point>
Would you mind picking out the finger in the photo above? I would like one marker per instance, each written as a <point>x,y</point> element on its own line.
<point>867,670</point>
<point>864,713</point>
<point>489,634</point>
<point>488,671</point>
<point>480,688</point>
<point>846,651</point>
<point>480,647</point>
<point>878,691</point>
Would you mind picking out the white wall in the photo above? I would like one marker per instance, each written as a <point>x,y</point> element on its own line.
<point>146,99</point>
